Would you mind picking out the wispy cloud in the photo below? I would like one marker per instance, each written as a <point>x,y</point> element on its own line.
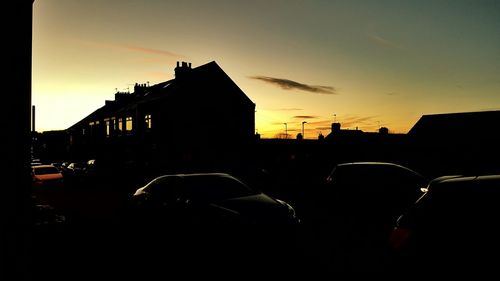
<point>139,49</point>
<point>490,109</point>
<point>304,117</point>
<point>288,109</point>
<point>151,51</point>
<point>287,84</point>
<point>383,42</point>
<point>359,121</point>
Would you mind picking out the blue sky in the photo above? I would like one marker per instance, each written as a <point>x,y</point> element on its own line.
<point>364,63</point>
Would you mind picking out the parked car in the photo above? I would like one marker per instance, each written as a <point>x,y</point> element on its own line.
<point>75,172</point>
<point>211,220</point>
<point>211,198</point>
<point>45,176</point>
<point>361,202</point>
<point>76,168</point>
<point>454,227</point>
<point>374,188</point>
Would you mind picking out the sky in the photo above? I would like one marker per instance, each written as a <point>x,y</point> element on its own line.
<point>365,64</point>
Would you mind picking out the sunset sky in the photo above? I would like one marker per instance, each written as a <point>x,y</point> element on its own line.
<point>364,64</point>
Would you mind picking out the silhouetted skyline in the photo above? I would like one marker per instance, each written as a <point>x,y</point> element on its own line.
<point>367,64</point>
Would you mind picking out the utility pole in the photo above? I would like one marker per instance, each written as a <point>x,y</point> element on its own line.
<point>33,128</point>
<point>286,130</point>
<point>303,122</point>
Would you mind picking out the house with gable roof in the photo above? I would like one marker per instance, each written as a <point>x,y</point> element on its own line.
<point>200,119</point>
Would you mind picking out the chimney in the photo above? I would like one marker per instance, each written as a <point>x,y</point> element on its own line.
<point>182,70</point>
<point>335,127</point>
<point>383,131</point>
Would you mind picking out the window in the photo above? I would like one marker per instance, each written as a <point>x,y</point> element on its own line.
<point>108,127</point>
<point>147,120</point>
<point>45,170</point>
<point>119,125</point>
<point>114,125</point>
<point>128,124</point>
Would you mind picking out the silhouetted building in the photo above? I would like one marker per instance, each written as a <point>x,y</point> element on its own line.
<point>345,145</point>
<point>465,142</point>
<point>457,126</point>
<point>51,146</point>
<point>383,130</point>
<point>338,133</point>
<point>199,119</point>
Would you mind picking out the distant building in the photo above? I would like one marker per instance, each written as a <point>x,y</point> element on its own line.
<point>465,142</point>
<point>357,145</point>
<point>200,118</point>
<point>468,126</point>
<point>50,146</point>
<point>339,134</point>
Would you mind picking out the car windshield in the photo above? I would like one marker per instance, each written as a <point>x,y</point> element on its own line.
<point>78,165</point>
<point>374,178</point>
<point>216,188</point>
<point>46,170</point>
<point>200,187</point>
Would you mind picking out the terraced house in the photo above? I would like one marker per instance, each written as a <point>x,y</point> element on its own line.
<point>198,119</point>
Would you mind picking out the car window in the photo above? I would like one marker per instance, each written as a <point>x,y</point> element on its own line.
<point>216,188</point>
<point>456,204</point>
<point>166,187</point>
<point>373,177</point>
<point>45,170</point>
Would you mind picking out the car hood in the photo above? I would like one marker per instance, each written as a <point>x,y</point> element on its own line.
<point>259,207</point>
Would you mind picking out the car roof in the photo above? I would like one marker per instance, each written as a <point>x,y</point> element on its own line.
<point>369,163</point>
<point>373,164</point>
<point>467,182</point>
<point>195,175</point>
<point>204,174</point>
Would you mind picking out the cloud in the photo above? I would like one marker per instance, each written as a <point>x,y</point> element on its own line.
<point>131,48</point>
<point>490,109</point>
<point>304,117</point>
<point>292,85</point>
<point>288,109</point>
<point>358,121</point>
<point>383,42</point>
<point>151,51</point>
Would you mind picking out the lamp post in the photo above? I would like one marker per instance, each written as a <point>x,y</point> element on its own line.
<point>286,130</point>
<point>303,122</point>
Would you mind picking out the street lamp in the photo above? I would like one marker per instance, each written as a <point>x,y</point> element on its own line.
<point>303,122</point>
<point>286,131</point>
